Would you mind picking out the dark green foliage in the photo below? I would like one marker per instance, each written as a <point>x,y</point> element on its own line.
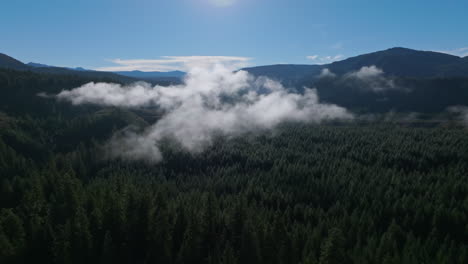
<point>433,95</point>
<point>312,194</point>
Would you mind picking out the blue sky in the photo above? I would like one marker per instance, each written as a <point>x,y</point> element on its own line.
<point>113,34</point>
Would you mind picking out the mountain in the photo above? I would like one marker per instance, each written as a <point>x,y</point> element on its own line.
<point>288,74</point>
<point>11,63</point>
<point>38,65</point>
<point>150,75</point>
<point>162,78</point>
<point>400,62</point>
<point>414,81</point>
<point>83,73</point>
<point>79,69</point>
<point>404,62</point>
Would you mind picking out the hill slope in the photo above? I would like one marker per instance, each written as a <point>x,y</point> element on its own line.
<point>11,63</point>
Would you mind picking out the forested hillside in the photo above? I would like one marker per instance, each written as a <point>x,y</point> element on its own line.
<point>431,95</point>
<point>372,192</point>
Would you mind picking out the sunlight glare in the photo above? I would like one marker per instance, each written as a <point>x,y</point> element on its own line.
<point>223,3</point>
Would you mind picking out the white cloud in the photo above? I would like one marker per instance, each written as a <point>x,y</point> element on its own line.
<point>367,72</point>
<point>197,110</point>
<point>326,73</point>
<point>317,59</point>
<point>173,63</point>
<point>373,79</point>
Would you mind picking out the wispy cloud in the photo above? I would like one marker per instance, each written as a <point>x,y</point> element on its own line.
<point>461,52</point>
<point>317,59</point>
<point>173,63</point>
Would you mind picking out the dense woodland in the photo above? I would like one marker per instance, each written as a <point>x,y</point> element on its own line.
<point>329,193</point>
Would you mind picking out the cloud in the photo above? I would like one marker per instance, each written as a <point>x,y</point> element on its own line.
<point>367,72</point>
<point>173,63</point>
<point>461,52</point>
<point>373,79</point>
<point>326,73</point>
<point>462,111</point>
<point>214,100</point>
<point>324,59</point>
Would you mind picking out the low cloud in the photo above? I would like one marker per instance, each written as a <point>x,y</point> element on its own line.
<point>373,78</point>
<point>317,59</point>
<point>212,101</point>
<point>367,72</point>
<point>462,112</point>
<point>326,73</point>
<point>175,63</point>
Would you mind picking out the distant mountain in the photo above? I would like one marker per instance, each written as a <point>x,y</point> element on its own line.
<point>11,63</point>
<point>151,75</point>
<point>396,62</point>
<point>38,65</point>
<point>415,81</point>
<point>400,62</point>
<point>286,73</point>
<point>84,73</point>
<point>162,78</point>
<point>404,62</point>
<point>80,69</point>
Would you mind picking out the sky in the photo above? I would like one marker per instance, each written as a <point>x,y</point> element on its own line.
<point>167,34</point>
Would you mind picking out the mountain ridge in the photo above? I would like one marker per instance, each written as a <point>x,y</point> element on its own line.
<point>38,65</point>
<point>11,63</point>
<point>151,74</point>
<point>401,62</point>
<point>14,64</point>
<point>397,61</point>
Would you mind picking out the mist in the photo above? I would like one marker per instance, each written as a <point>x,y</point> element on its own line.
<point>372,78</point>
<point>367,78</point>
<point>461,111</point>
<point>213,100</point>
